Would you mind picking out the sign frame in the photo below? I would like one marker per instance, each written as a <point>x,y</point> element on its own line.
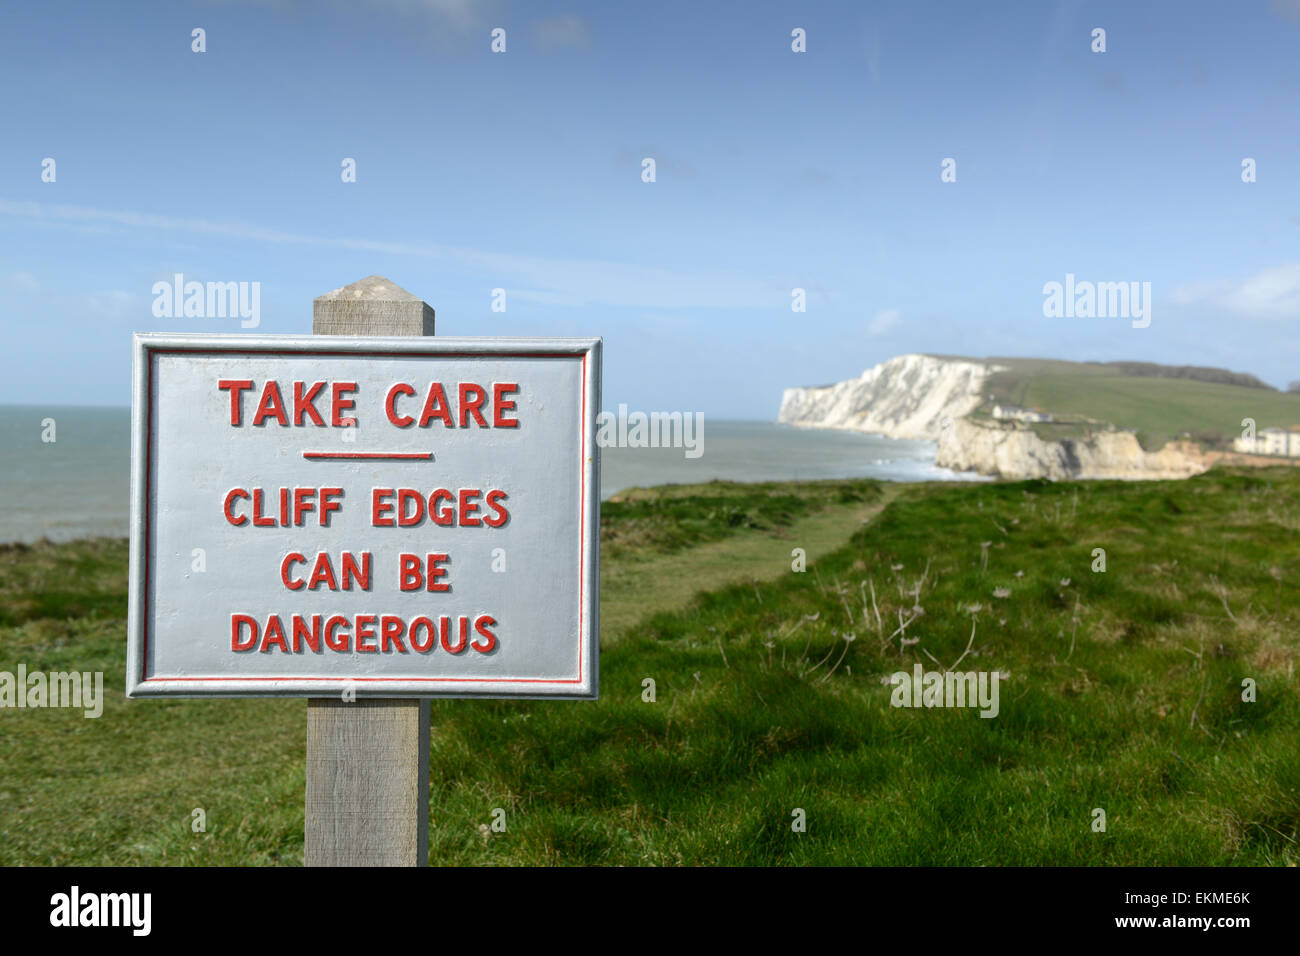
<point>146,347</point>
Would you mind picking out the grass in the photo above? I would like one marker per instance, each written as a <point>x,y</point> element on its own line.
<point>1159,409</point>
<point>729,532</point>
<point>1123,693</point>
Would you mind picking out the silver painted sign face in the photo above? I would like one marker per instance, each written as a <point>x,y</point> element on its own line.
<point>317,516</point>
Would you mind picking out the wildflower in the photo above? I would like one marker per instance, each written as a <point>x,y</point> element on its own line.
<point>1020,574</point>
<point>1002,592</point>
<point>1065,582</point>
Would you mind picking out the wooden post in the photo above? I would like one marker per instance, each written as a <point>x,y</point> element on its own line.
<point>368,760</point>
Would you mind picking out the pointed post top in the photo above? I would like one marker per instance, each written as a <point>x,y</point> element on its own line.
<point>371,306</point>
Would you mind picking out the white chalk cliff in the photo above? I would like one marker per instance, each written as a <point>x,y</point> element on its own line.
<point>921,396</point>
<point>906,397</point>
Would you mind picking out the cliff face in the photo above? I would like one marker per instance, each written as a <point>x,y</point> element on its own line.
<point>906,397</point>
<point>919,396</point>
<point>1018,453</point>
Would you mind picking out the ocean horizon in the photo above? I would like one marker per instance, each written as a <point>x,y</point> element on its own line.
<point>78,486</point>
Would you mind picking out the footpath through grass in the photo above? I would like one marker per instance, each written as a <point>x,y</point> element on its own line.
<point>1123,692</point>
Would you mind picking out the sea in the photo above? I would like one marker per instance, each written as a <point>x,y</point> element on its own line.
<point>78,485</point>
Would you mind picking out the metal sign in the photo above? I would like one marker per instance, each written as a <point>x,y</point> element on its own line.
<point>313,516</point>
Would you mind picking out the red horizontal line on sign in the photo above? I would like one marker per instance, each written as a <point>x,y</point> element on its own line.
<point>369,455</point>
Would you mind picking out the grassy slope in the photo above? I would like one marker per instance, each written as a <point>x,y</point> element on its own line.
<point>730,532</point>
<point>121,789</point>
<point>1159,408</point>
<point>1124,693</point>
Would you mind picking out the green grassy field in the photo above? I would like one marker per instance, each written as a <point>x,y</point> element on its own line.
<point>1123,692</point>
<point>1159,409</point>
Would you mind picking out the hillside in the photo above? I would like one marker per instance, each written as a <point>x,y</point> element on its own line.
<point>1160,405</point>
<point>1103,420</point>
<point>1122,690</point>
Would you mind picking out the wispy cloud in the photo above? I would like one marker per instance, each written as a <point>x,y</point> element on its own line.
<point>573,281</point>
<point>1269,294</point>
<point>1287,8</point>
<point>555,33</point>
<point>882,322</point>
<point>23,282</point>
<point>112,303</point>
<point>448,25</point>
<point>871,48</point>
<point>664,163</point>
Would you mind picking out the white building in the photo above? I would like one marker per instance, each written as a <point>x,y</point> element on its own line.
<point>1281,442</point>
<point>1020,414</point>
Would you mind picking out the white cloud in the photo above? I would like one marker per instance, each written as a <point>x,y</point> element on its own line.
<point>583,281</point>
<point>112,303</point>
<point>23,282</point>
<point>884,321</point>
<point>1287,8</point>
<point>555,33</point>
<point>871,49</point>
<point>1269,294</point>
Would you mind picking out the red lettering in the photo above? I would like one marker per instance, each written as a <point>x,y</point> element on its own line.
<point>435,406</point>
<point>271,405</point>
<point>378,508</point>
<point>469,508</point>
<point>390,629</point>
<point>293,557</point>
<point>341,404</point>
<point>322,573</point>
<point>481,624</point>
<point>259,519</point>
<point>471,406</point>
<point>447,516</point>
<point>436,572</point>
<point>403,519</point>
<point>390,405</point>
<point>304,403</point>
<point>301,503</point>
<point>409,574</point>
<point>326,505</point>
<point>502,516</point>
<point>274,635</point>
<point>236,622</point>
<point>365,629</point>
<point>332,642</point>
<point>230,516</point>
<point>500,405</point>
<point>237,387</point>
<point>300,633</point>
<point>423,648</point>
<point>352,572</point>
<point>463,623</point>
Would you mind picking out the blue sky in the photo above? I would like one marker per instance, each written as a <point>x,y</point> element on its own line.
<point>775,170</point>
